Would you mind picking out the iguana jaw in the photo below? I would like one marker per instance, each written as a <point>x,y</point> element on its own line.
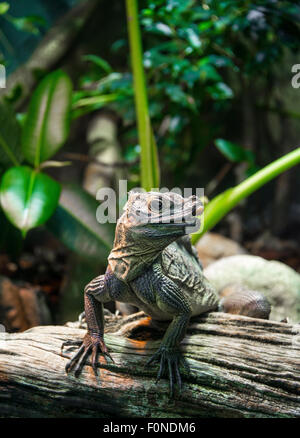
<point>163,231</point>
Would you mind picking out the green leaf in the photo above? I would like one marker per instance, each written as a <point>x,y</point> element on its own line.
<point>74,223</point>
<point>28,24</point>
<point>10,150</point>
<point>96,100</point>
<point>159,28</point>
<point>47,122</point>
<point>208,71</point>
<point>4,7</point>
<point>193,38</point>
<point>205,26</point>
<point>90,104</point>
<point>233,151</point>
<point>100,62</point>
<point>27,197</point>
<point>220,91</point>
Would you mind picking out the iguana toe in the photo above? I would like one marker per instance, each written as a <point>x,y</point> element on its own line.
<point>171,359</point>
<point>90,345</point>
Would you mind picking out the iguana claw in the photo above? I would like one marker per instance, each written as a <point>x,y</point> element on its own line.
<point>90,345</point>
<point>172,358</point>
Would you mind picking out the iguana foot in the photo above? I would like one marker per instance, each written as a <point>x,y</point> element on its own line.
<point>90,345</point>
<point>170,358</point>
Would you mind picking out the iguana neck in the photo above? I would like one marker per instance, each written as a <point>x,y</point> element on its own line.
<point>132,253</point>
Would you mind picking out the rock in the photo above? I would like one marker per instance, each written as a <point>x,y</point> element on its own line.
<point>213,246</point>
<point>278,282</point>
<point>21,307</point>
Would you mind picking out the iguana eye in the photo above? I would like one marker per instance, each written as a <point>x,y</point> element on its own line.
<point>156,205</point>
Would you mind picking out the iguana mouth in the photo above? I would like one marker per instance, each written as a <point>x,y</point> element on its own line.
<point>184,222</point>
<point>188,216</point>
<point>197,210</point>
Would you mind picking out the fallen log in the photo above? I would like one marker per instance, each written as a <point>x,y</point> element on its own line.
<point>240,367</point>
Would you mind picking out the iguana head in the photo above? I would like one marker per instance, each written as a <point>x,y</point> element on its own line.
<point>150,222</point>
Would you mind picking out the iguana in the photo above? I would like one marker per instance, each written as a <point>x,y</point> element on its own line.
<point>154,267</point>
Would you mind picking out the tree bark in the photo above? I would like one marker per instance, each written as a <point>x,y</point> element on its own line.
<point>240,367</point>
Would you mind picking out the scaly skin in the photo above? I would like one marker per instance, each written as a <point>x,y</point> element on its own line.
<point>154,267</point>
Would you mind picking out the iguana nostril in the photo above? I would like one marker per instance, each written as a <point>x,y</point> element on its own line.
<point>199,210</point>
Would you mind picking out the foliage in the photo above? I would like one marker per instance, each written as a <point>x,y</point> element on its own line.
<point>192,49</point>
<point>195,56</point>
<point>27,196</point>
<point>74,223</point>
<point>237,154</point>
<point>30,24</point>
<point>10,146</point>
<point>218,207</point>
<point>149,160</point>
<point>47,123</point>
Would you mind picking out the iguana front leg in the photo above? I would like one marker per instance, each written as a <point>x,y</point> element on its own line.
<point>95,294</point>
<point>152,287</point>
<point>168,355</point>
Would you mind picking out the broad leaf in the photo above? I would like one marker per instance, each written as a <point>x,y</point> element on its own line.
<point>47,122</point>
<point>233,151</point>
<point>74,223</point>
<point>10,150</point>
<point>27,197</point>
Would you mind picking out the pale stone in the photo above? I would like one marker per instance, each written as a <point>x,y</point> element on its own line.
<point>277,281</point>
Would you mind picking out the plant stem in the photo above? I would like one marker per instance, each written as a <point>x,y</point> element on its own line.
<point>149,161</point>
<point>218,207</point>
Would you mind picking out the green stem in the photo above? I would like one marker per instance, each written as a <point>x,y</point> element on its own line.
<point>226,201</point>
<point>149,162</point>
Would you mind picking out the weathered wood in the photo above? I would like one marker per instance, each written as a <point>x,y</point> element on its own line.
<point>241,367</point>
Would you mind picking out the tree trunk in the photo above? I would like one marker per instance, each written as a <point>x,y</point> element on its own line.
<point>240,367</point>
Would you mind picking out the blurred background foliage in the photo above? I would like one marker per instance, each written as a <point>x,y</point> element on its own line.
<point>23,24</point>
<point>204,64</point>
<point>220,100</point>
